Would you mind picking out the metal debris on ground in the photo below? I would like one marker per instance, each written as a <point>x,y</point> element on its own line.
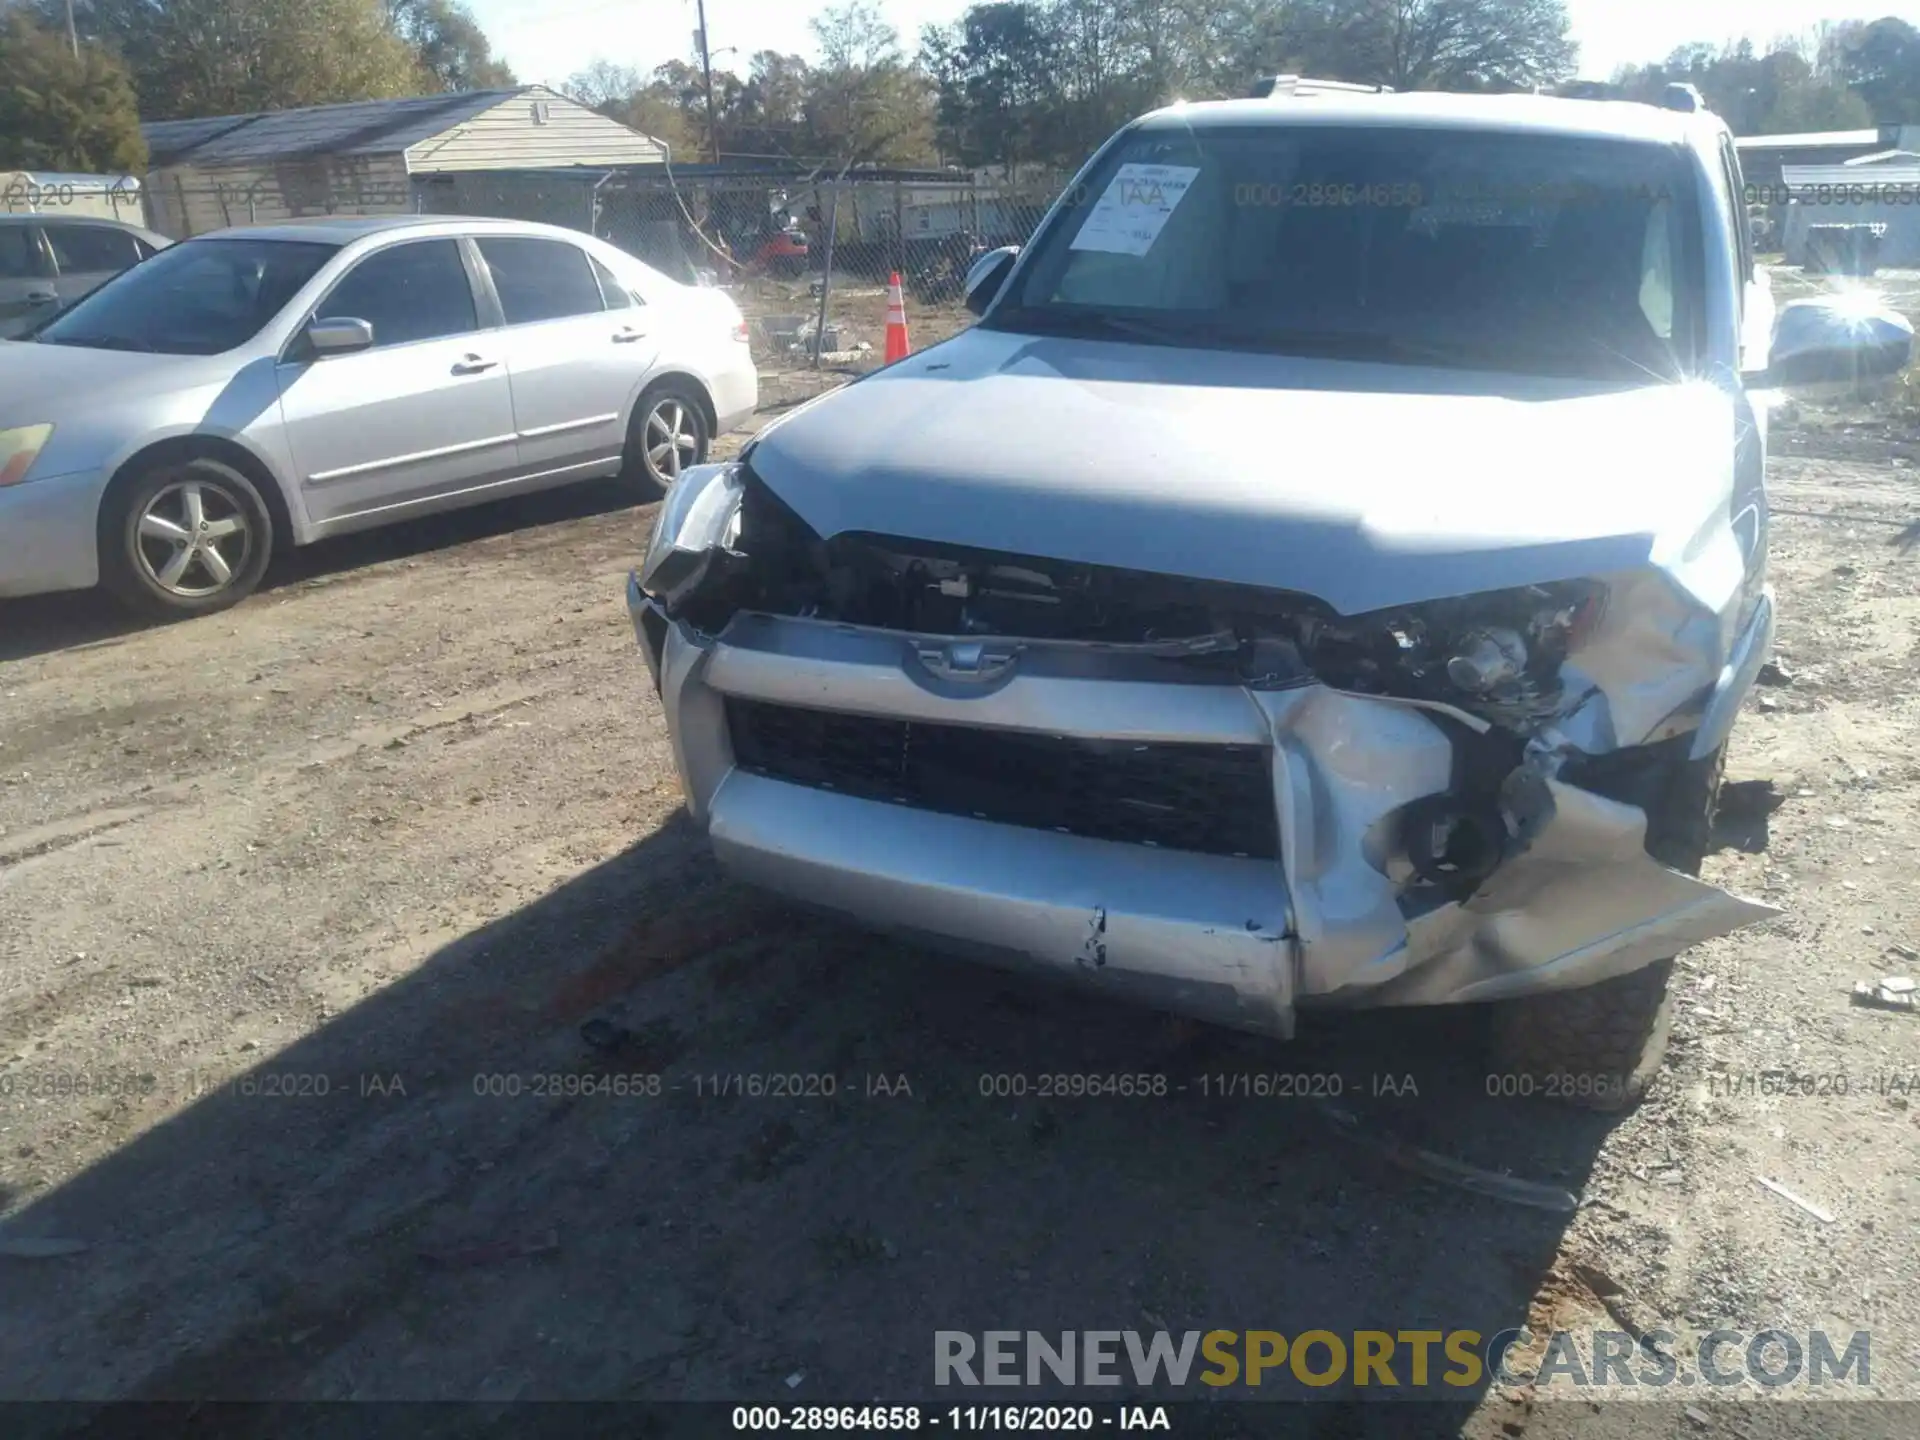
<point>34,1248</point>
<point>1892,992</point>
<point>1456,1173</point>
<point>1824,1216</point>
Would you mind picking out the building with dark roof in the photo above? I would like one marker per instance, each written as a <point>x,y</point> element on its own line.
<point>366,158</point>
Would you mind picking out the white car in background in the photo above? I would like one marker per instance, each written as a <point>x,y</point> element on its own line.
<point>274,385</point>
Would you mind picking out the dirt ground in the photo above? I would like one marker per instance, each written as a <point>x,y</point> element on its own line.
<point>305,889</point>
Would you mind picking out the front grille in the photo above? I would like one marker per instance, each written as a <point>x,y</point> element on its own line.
<point>1213,799</point>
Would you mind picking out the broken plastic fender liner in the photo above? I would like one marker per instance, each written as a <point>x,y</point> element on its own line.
<point>1584,902</point>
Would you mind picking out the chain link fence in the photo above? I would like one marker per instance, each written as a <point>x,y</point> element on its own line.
<point>809,261</point>
<point>807,258</point>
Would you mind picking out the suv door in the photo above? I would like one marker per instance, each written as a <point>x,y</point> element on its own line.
<point>26,278</point>
<point>85,256</point>
<point>425,413</point>
<point>576,363</point>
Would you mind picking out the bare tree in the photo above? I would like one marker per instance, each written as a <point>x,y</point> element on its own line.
<point>603,84</point>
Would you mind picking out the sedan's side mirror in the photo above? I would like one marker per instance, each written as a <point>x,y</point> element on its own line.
<point>1835,339</point>
<point>987,275</point>
<point>339,336</point>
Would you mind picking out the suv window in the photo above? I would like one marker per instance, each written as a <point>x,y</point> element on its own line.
<point>19,256</point>
<point>1543,254</point>
<point>541,279</point>
<point>85,249</point>
<point>415,291</point>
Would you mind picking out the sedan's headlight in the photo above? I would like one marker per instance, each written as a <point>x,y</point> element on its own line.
<point>19,448</point>
<point>700,514</point>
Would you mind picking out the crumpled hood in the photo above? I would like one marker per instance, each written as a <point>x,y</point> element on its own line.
<point>1366,485</point>
<point>42,383</point>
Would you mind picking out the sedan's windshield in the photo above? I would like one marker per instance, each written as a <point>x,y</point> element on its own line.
<point>199,298</point>
<point>1542,254</point>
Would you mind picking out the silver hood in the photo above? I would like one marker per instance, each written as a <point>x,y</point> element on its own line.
<point>1366,485</point>
<point>41,383</point>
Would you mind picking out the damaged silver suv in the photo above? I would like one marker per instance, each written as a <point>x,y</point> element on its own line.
<point>1327,575</point>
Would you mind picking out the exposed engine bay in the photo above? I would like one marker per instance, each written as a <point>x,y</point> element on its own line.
<point>1495,656</point>
<point>1231,797</point>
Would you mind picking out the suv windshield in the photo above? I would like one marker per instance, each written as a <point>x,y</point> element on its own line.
<point>1489,250</point>
<point>198,298</point>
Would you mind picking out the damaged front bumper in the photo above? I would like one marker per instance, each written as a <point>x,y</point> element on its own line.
<point>852,769</point>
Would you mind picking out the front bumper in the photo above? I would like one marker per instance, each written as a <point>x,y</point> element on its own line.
<point>48,534</point>
<point>1331,921</point>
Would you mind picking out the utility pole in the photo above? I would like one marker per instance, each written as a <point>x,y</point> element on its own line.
<point>706,70</point>
<point>73,34</point>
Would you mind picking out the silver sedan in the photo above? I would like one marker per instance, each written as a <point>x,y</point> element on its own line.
<point>266,387</point>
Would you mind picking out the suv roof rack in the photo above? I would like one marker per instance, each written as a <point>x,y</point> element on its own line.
<point>1677,95</point>
<point>1685,98</point>
<point>1283,86</point>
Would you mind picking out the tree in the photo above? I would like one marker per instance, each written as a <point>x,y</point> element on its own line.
<point>62,113</point>
<point>1432,44</point>
<point>223,57</point>
<point>604,83</point>
<point>449,44</point>
<point>768,115</point>
<point>854,35</point>
<point>1881,62</point>
<point>865,103</point>
<point>1796,86</point>
<point>996,82</point>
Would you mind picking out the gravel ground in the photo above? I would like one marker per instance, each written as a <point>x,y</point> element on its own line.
<point>304,889</point>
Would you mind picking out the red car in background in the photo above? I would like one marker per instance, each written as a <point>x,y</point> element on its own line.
<point>779,252</point>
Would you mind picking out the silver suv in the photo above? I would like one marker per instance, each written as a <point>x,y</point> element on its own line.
<point>1327,575</point>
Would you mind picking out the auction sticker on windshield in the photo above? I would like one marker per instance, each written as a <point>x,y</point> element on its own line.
<point>1136,205</point>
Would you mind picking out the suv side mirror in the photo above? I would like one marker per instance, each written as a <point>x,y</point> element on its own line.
<point>340,336</point>
<point>1835,339</point>
<point>987,275</point>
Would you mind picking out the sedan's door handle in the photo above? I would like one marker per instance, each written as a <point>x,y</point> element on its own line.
<point>474,365</point>
<point>41,297</point>
<point>628,335</point>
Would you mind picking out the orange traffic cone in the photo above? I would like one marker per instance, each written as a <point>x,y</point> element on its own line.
<point>898,345</point>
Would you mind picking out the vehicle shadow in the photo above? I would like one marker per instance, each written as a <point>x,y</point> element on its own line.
<point>468,1187</point>
<point>43,624</point>
<point>452,528</point>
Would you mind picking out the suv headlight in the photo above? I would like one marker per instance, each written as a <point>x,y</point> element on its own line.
<point>700,515</point>
<point>19,448</point>
<point>1496,654</point>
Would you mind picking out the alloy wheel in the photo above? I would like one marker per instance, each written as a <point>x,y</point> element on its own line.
<point>192,539</point>
<point>672,439</point>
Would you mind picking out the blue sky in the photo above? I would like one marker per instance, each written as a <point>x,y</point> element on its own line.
<point>547,40</point>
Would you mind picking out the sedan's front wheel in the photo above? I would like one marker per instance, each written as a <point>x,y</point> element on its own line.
<point>669,433</point>
<point>185,538</point>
